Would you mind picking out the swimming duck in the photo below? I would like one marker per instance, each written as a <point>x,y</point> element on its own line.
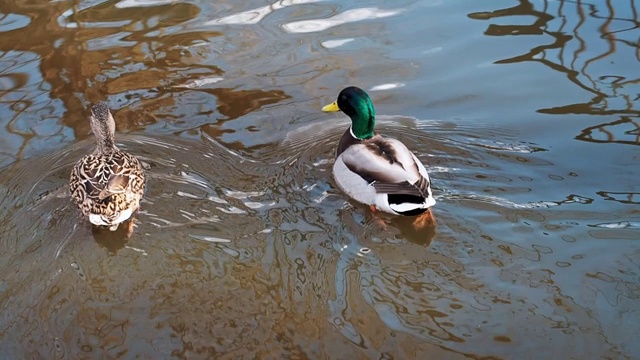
<point>378,171</point>
<point>108,184</point>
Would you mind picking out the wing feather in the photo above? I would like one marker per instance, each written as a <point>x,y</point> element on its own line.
<point>117,184</point>
<point>403,188</point>
<point>387,163</point>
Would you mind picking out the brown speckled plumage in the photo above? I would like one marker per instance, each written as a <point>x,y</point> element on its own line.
<point>107,185</point>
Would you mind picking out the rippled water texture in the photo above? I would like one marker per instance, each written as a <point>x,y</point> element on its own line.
<point>525,112</point>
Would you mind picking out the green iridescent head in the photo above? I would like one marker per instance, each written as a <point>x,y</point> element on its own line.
<point>355,102</point>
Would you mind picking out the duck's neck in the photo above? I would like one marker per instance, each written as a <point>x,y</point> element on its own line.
<point>105,144</point>
<point>363,123</point>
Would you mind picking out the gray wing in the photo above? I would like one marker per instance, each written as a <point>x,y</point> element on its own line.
<point>404,188</point>
<point>388,165</point>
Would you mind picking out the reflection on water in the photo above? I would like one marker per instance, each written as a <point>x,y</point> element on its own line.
<point>597,49</point>
<point>623,131</point>
<point>586,39</point>
<point>348,16</point>
<point>244,247</point>
<point>254,16</point>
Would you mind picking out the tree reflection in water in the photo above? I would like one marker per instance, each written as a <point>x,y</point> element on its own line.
<point>587,39</point>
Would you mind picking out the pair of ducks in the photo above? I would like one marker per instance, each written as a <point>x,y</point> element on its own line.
<point>383,173</point>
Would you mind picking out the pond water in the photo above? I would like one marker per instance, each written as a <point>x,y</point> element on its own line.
<point>526,114</point>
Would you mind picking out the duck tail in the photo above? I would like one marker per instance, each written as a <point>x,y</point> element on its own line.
<point>408,205</point>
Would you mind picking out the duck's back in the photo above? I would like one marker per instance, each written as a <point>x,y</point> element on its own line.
<point>108,185</point>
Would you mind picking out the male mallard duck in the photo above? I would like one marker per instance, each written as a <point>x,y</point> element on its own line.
<point>108,184</point>
<point>377,171</point>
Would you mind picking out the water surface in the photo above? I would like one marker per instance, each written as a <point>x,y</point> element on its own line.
<point>525,112</point>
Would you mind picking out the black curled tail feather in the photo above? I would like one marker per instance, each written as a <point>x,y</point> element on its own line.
<point>423,185</point>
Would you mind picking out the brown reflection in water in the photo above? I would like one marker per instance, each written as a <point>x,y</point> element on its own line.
<point>405,224</point>
<point>98,51</point>
<point>113,240</point>
<point>88,54</point>
<point>234,103</point>
<point>136,119</point>
<point>551,18</point>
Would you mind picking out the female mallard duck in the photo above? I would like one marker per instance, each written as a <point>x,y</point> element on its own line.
<point>377,171</point>
<point>107,185</point>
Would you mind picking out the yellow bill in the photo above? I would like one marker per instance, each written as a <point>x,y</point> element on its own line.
<point>333,107</point>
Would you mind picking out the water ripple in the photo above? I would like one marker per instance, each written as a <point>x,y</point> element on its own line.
<point>254,16</point>
<point>349,16</point>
